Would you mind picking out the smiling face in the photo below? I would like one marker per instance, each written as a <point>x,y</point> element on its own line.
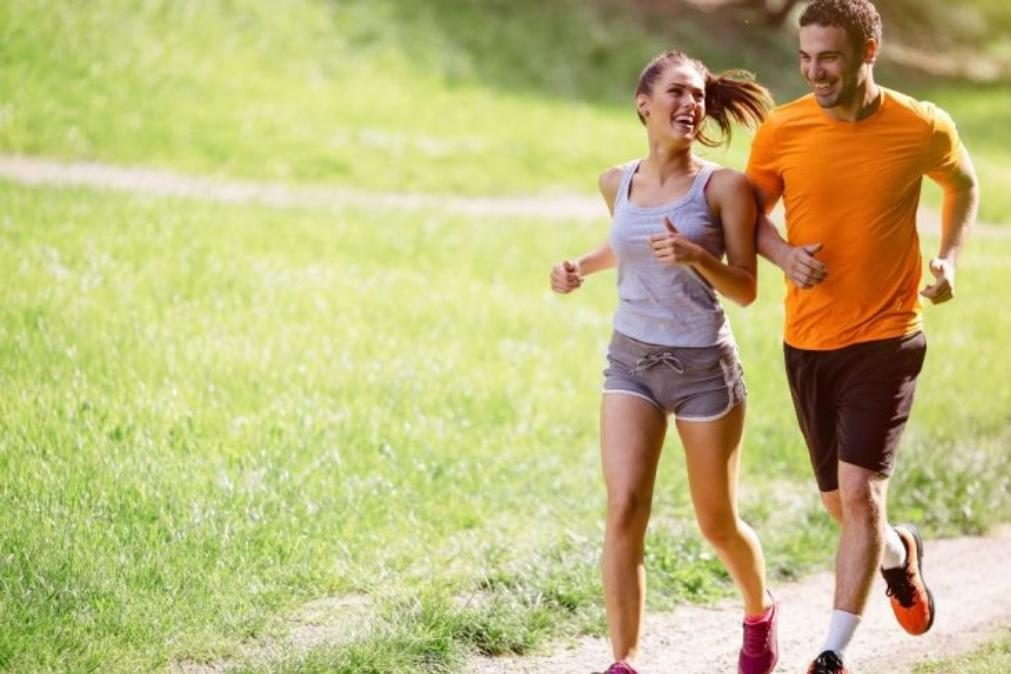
<point>676,105</point>
<point>836,70</point>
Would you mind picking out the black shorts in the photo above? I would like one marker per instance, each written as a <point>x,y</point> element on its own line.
<point>852,403</point>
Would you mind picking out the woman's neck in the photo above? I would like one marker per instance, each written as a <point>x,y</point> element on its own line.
<point>665,162</point>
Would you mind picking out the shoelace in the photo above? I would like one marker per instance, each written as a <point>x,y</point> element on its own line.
<point>900,585</point>
<point>667,358</point>
<point>756,637</point>
<point>826,663</point>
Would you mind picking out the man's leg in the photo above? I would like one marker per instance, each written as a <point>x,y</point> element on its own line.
<point>858,505</point>
<point>893,555</point>
<point>873,410</point>
<point>833,506</point>
<point>861,496</point>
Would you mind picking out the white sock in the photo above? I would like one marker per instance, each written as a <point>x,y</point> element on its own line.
<point>840,631</point>
<point>895,552</point>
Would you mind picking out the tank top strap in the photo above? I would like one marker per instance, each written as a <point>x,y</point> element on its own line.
<point>628,170</point>
<point>698,189</point>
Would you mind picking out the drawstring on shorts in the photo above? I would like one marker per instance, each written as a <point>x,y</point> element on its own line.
<point>667,358</point>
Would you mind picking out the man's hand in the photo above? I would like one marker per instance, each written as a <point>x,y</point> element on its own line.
<point>565,277</point>
<point>802,268</point>
<point>943,287</point>
<point>673,247</point>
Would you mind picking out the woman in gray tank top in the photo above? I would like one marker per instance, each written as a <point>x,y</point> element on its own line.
<point>682,233</point>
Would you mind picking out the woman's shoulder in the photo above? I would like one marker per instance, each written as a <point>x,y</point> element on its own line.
<point>728,188</point>
<point>728,180</point>
<point>610,179</point>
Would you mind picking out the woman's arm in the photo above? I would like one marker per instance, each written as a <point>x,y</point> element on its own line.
<point>568,275</point>
<point>732,201</point>
<point>602,257</point>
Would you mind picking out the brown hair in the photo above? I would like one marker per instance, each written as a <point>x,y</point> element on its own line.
<point>859,18</point>
<point>732,95</point>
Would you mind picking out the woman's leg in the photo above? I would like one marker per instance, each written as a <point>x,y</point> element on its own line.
<point>712,452</point>
<point>631,432</point>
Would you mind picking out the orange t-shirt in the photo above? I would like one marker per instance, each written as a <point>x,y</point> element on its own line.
<point>854,187</point>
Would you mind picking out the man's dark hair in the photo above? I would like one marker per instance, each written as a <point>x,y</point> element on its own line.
<point>859,18</point>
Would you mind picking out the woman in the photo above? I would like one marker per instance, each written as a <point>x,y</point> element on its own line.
<point>675,217</point>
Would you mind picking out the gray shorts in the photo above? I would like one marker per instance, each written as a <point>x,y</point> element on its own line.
<point>693,383</point>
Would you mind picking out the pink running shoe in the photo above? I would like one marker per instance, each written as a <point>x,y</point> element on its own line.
<point>760,651</point>
<point>620,668</point>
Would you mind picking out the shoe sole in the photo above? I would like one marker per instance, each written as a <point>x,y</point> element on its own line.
<point>919,569</point>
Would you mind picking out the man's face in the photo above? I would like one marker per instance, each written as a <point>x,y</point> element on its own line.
<point>831,65</point>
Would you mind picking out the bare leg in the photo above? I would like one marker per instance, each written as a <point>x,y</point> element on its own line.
<point>832,503</point>
<point>712,452</point>
<point>632,433</point>
<point>861,496</point>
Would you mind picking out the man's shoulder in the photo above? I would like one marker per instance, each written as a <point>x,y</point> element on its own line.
<point>905,108</point>
<point>787,117</point>
<point>799,108</point>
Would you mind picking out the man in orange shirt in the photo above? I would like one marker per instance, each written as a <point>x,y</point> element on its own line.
<point>848,160</point>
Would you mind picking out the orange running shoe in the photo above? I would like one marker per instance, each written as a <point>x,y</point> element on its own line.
<point>827,663</point>
<point>912,602</point>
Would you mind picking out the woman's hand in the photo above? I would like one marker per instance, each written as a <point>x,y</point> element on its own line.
<point>673,248</point>
<point>565,277</point>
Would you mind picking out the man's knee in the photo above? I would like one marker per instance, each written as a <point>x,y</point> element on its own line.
<point>861,494</point>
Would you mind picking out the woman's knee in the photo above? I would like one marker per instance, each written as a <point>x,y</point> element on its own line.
<point>719,528</point>
<point>628,510</point>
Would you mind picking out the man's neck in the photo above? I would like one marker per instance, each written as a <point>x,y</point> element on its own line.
<point>865,103</point>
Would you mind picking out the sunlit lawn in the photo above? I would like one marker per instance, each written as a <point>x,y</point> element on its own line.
<point>374,94</point>
<point>212,414</point>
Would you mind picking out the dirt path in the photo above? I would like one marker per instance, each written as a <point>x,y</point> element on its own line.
<point>968,577</point>
<point>41,171</point>
<point>27,170</point>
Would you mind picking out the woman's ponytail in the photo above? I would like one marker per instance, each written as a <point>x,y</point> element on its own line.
<point>733,96</point>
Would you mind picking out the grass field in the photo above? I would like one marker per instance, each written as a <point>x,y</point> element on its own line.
<point>373,94</point>
<point>995,658</point>
<point>213,414</point>
<point>452,97</point>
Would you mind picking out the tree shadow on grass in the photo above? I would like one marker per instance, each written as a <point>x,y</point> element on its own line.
<point>574,49</point>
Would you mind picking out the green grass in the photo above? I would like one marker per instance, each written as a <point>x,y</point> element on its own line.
<point>982,114</point>
<point>443,96</point>
<point>440,96</point>
<point>993,658</point>
<point>213,414</point>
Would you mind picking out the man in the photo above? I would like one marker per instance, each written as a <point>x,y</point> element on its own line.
<point>849,159</point>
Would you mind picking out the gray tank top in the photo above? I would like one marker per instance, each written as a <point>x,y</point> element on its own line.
<point>658,303</point>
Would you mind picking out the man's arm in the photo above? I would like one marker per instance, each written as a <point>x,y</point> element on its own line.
<point>797,262</point>
<point>958,213</point>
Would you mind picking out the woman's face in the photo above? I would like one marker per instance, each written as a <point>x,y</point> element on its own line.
<point>676,106</point>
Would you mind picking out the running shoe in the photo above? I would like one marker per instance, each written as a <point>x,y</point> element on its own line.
<point>827,663</point>
<point>760,650</point>
<point>912,602</point>
<point>620,668</point>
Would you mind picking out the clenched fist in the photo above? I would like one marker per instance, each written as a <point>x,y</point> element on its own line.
<point>673,247</point>
<point>565,277</point>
